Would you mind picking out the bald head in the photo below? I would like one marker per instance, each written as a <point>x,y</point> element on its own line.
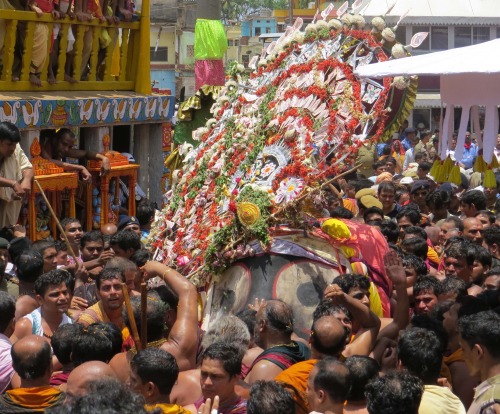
<point>83,375</point>
<point>328,336</point>
<point>31,358</point>
<point>109,229</point>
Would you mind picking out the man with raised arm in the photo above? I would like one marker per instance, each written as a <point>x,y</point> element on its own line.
<point>182,340</point>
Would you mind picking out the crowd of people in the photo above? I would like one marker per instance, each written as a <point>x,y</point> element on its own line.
<point>66,334</point>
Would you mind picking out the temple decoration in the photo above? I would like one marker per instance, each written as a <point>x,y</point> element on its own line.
<point>246,206</point>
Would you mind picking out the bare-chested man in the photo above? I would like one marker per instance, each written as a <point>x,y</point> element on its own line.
<point>182,341</point>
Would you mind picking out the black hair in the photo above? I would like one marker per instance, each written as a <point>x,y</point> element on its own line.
<point>64,131</point>
<point>416,246</point>
<point>269,397</point>
<point>145,213</point>
<point>121,263</point>
<point>372,210</point>
<point>157,366</point>
<point>29,266</point>
<point>459,224</point>
<point>416,231</point>
<point>460,248</point>
<point>410,213</point>
<point>341,212</point>
<point>126,239</point>
<point>420,352</point>
<point>363,369</point>
<point>425,166</point>
<point>109,273</point>
<point>68,220</point>
<point>155,311</point>
<point>327,308</point>
<point>386,150</point>
<point>419,155</point>
<point>386,185</point>
<point>397,392</point>
<point>54,278</point>
<point>279,316</point>
<point>487,213</point>
<point>416,263</point>
<point>60,245</point>
<point>475,197</point>
<point>431,323</point>
<point>482,328</point>
<point>229,355</point>
<point>167,295</point>
<point>107,396</point>
<point>330,349</point>
<point>140,257</point>
<point>378,164</point>
<point>9,132</point>
<point>494,271</point>
<point>362,184</point>
<point>390,230</point>
<point>391,160</point>
<point>469,305</point>
<point>63,340</point>
<point>248,318</point>
<point>41,245</point>
<point>7,310</point>
<point>427,284</point>
<point>453,284</point>
<point>334,378</point>
<point>91,236</point>
<point>491,236</point>
<point>482,255</point>
<point>34,365</point>
<point>100,341</point>
<point>352,280</point>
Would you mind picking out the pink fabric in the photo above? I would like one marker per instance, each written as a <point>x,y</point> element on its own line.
<point>6,370</point>
<point>209,72</point>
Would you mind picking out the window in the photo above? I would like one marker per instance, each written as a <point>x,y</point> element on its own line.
<point>230,42</point>
<point>463,36</point>
<point>159,55</point>
<point>480,35</point>
<point>236,42</point>
<point>466,36</point>
<point>439,38</point>
<point>268,30</point>
<point>190,51</point>
<point>257,31</point>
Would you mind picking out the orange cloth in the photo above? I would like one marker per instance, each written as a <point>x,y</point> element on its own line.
<point>432,256</point>
<point>37,399</point>
<point>95,314</point>
<point>458,355</point>
<point>295,380</point>
<point>351,205</point>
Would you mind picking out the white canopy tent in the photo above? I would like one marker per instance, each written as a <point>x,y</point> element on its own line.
<point>470,78</point>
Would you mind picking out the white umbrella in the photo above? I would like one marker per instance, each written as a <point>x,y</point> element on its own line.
<point>470,77</point>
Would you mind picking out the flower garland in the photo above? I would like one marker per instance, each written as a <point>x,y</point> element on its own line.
<point>310,107</point>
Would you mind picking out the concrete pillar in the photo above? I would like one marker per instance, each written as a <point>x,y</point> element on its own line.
<point>209,9</point>
<point>155,162</point>
<point>27,138</point>
<point>141,154</point>
<point>92,138</point>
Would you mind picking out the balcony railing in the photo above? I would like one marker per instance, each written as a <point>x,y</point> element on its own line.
<point>133,62</point>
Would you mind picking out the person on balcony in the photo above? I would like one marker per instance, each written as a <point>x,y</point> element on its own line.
<point>16,174</point>
<point>40,51</point>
